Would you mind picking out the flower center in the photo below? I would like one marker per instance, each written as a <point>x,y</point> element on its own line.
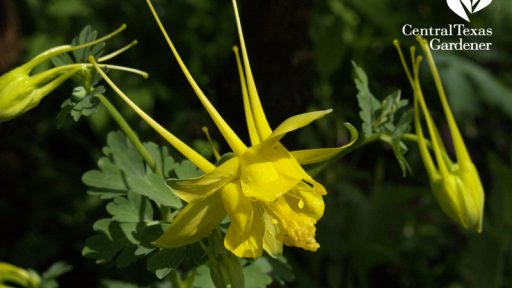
<point>295,229</point>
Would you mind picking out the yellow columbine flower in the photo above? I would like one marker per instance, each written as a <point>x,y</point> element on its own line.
<point>456,186</point>
<point>268,196</point>
<point>20,91</point>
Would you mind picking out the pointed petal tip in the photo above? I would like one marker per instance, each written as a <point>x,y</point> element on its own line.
<point>354,134</point>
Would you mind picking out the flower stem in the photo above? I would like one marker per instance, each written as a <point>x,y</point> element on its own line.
<point>129,133</point>
<point>165,212</point>
<point>363,142</point>
<point>175,279</point>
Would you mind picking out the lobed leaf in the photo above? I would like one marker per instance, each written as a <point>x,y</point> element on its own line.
<point>165,260</point>
<point>379,117</point>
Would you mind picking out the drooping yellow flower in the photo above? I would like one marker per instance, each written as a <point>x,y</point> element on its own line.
<point>267,195</point>
<point>456,185</point>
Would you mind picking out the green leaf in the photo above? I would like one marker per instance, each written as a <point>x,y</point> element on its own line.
<point>135,208</point>
<point>385,116</point>
<point>367,102</point>
<point>57,269</point>
<point>164,261</point>
<point>62,59</point>
<point>122,242</point>
<point>125,155</point>
<point>399,149</point>
<point>101,248</point>
<point>202,277</point>
<point>282,272</point>
<point>85,36</point>
<point>82,102</point>
<point>155,188</point>
<point>257,273</point>
<point>109,178</point>
<point>470,85</point>
<point>164,162</point>
<point>404,124</point>
<point>186,170</point>
<point>49,277</point>
<point>134,190</point>
<point>123,169</point>
<point>379,118</point>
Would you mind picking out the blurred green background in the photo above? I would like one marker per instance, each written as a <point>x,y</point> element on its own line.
<point>379,229</point>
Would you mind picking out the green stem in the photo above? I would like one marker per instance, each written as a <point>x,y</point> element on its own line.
<point>414,138</point>
<point>165,212</point>
<point>363,142</point>
<point>129,133</point>
<point>175,279</point>
<point>359,143</point>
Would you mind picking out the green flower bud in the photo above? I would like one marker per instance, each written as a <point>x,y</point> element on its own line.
<point>10,274</point>
<point>460,194</point>
<point>456,185</point>
<point>20,91</point>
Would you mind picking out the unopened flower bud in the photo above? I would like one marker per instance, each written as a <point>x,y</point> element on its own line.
<point>456,185</point>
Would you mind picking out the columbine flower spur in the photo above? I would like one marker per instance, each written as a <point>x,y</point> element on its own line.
<point>267,195</point>
<point>456,186</point>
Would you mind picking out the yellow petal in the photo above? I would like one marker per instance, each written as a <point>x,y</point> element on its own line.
<point>293,123</point>
<point>245,233</point>
<point>269,172</point>
<point>197,188</point>
<point>251,126</point>
<point>271,244</point>
<point>257,110</point>
<point>312,156</point>
<point>303,200</point>
<point>316,187</point>
<point>194,222</point>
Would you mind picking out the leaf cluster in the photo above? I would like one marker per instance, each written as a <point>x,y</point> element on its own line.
<point>386,119</point>
<point>139,206</point>
<point>83,101</point>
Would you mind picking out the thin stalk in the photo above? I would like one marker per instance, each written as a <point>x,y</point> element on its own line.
<point>65,68</point>
<point>175,279</point>
<point>414,138</point>
<point>117,52</point>
<point>129,133</point>
<point>365,141</point>
<point>165,212</point>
